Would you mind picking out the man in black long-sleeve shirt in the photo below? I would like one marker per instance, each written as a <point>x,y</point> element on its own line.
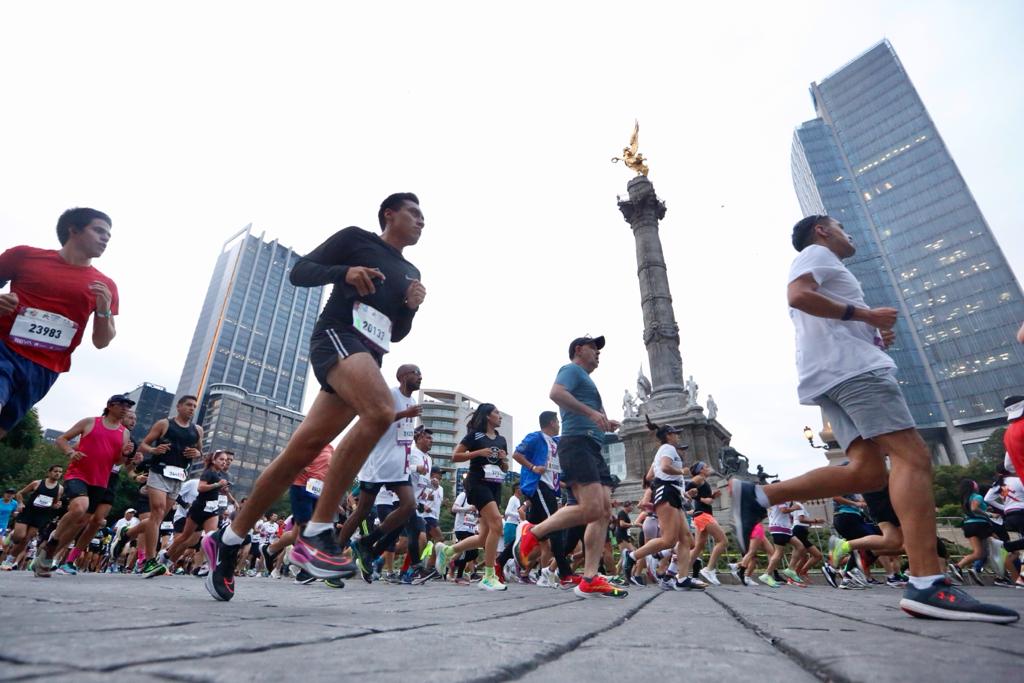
<point>375,297</point>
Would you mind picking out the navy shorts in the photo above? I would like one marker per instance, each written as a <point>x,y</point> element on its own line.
<point>23,384</point>
<point>76,488</point>
<point>303,503</point>
<point>430,523</point>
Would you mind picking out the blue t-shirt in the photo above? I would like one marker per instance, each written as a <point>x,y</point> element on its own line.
<point>535,449</point>
<point>578,383</point>
<point>6,509</point>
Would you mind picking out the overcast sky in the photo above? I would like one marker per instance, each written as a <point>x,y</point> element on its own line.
<point>186,124</point>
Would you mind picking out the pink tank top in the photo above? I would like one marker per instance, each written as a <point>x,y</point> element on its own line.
<point>102,448</point>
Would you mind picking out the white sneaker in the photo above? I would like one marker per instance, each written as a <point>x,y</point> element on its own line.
<point>548,578</point>
<point>276,574</point>
<point>749,581</point>
<point>710,577</point>
<point>734,569</point>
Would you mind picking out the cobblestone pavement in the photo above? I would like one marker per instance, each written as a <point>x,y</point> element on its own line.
<point>124,628</point>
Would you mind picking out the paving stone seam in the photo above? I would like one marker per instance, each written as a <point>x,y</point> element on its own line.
<point>802,660</point>
<point>514,673</point>
<point>897,629</point>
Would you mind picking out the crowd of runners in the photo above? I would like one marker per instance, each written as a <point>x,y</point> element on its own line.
<point>371,506</point>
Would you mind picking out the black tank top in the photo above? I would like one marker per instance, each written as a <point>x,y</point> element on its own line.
<point>180,438</point>
<point>42,490</point>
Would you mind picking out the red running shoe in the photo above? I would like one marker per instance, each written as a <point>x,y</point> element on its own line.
<point>499,572</point>
<point>527,542</point>
<point>598,586</point>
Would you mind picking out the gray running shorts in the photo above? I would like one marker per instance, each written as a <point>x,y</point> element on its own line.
<point>866,406</point>
<point>159,482</point>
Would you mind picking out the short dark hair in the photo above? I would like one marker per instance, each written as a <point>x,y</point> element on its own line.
<point>547,417</point>
<point>803,231</point>
<point>395,202</point>
<point>186,397</point>
<point>76,220</point>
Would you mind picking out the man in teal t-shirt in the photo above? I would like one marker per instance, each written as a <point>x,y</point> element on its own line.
<point>584,424</point>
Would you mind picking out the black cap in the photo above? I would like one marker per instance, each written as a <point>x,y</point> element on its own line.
<point>580,341</point>
<point>422,430</point>
<point>665,430</point>
<point>120,398</point>
<point>10,490</point>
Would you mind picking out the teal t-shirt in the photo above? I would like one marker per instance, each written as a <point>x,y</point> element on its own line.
<point>578,383</point>
<point>6,510</point>
<point>978,516</point>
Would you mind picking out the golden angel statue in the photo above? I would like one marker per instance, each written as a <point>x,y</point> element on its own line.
<point>630,156</point>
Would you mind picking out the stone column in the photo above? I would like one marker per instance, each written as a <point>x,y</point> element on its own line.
<point>642,210</point>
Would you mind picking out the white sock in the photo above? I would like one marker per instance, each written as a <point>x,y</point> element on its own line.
<point>229,537</point>
<point>922,582</point>
<point>673,568</point>
<point>761,496</point>
<point>314,528</point>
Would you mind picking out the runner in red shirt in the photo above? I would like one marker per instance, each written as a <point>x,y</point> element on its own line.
<point>102,443</point>
<point>43,317</point>
<point>1013,439</point>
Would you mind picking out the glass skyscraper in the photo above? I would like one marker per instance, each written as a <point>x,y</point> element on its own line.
<point>874,160</point>
<point>250,354</point>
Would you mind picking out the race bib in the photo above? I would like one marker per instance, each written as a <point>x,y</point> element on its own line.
<point>493,473</point>
<point>374,326</point>
<point>314,487</point>
<point>166,526</point>
<point>211,506</point>
<point>176,473</point>
<point>42,329</point>
<point>406,430</point>
<point>222,501</point>
<point>43,501</point>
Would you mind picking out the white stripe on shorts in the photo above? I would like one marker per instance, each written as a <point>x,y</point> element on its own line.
<point>336,341</point>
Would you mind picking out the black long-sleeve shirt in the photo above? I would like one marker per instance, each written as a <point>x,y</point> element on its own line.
<point>329,264</point>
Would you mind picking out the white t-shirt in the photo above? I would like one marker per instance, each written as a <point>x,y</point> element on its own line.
<point>432,500</point>
<point>554,468</point>
<point>188,493</point>
<point>464,520</point>
<point>385,497</point>
<point>389,459</point>
<point>669,451</point>
<point>512,510</point>
<point>779,522</point>
<point>418,458</point>
<point>121,522</point>
<point>831,351</point>
<point>799,514</point>
<point>267,531</point>
<point>1014,500</point>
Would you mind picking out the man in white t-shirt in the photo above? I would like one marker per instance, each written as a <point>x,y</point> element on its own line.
<point>843,369</point>
<point>420,465</point>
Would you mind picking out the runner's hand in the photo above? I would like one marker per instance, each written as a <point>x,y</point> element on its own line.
<point>102,294</point>
<point>8,303</point>
<point>76,456</point>
<point>362,277</point>
<point>539,469</point>
<point>415,295</point>
<point>882,318</point>
<point>161,449</point>
<point>191,453</point>
<point>614,424</point>
<point>888,337</point>
<point>411,411</point>
<point>600,420</point>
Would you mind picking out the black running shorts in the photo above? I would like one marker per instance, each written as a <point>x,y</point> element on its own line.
<point>329,345</point>
<point>802,534</point>
<point>880,507</point>
<point>666,492</point>
<point>849,525</point>
<point>76,488</point>
<point>581,461</point>
<point>543,504</point>
<point>480,492</point>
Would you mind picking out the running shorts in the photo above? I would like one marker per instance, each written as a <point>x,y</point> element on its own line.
<point>980,530</point>
<point>303,503</point>
<point>76,488</point>
<point>329,345</point>
<point>508,533</point>
<point>480,492</point>
<point>702,519</point>
<point>581,461</point>
<point>802,534</point>
<point>757,531</point>
<point>849,525</point>
<point>866,406</point>
<point>179,524</point>
<point>780,538</point>
<point>34,517</point>
<point>23,383</point>
<point>543,504</point>
<point>666,492</point>
<point>430,523</point>
<point>1014,521</point>
<point>880,507</point>
<point>650,528</point>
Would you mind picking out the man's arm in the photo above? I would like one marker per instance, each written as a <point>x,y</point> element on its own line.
<point>63,441</point>
<point>804,296</point>
<point>156,432</point>
<point>103,330</point>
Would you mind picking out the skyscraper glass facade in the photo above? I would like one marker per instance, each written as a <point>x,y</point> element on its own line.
<point>874,160</point>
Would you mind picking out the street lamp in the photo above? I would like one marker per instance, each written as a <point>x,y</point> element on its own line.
<point>809,435</point>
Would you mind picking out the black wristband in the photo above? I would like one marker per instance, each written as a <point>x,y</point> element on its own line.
<point>848,314</point>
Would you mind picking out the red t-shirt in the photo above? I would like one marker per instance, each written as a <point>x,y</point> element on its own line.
<point>54,303</point>
<point>316,469</point>
<point>1013,440</point>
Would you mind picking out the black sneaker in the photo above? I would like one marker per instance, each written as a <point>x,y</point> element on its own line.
<point>637,581</point>
<point>698,564</point>
<point>330,583</point>
<point>321,556</point>
<point>689,584</point>
<point>222,558</point>
<point>304,578</point>
<point>943,600</point>
<point>425,575</point>
<point>1002,583</point>
<point>268,557</point>
<point>746,511</point>
<point>831,575</point>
